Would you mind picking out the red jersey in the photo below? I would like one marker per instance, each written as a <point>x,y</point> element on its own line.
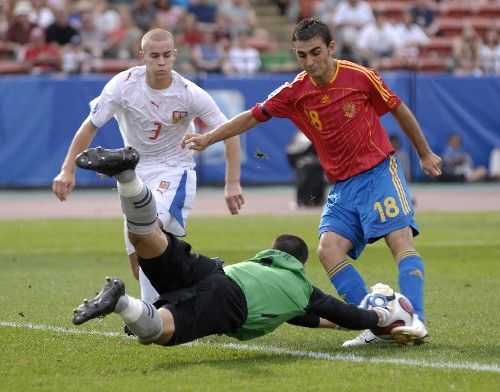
<point>342,118</point>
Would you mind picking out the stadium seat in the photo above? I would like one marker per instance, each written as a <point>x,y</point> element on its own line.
<point>420,64</point>
<point>457,10</point>
<point>433,64</point>
<point>491,10</point>
<point>441,46</point>
<point>393,9</point>
<point>452,26</point>
<point>392,64</point>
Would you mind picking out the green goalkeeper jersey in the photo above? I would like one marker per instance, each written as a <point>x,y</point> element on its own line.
<point>276,289</point>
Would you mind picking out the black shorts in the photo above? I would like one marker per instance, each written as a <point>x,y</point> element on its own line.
<point>202,298</point>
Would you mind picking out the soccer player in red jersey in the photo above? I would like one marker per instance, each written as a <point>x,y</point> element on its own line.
<point>337,104</point>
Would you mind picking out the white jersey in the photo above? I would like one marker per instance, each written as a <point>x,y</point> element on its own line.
<point>154,121</point>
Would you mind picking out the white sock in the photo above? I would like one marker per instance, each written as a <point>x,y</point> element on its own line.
<point>130,189</point>
<point>130,308</point>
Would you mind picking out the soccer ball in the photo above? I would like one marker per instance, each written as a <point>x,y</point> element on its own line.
<point>400,309</point>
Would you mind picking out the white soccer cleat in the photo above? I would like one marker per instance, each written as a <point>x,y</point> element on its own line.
<point>366,337</point>
<point>415,333</point>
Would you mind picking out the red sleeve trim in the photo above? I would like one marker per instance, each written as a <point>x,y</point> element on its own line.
<point>260,113</point>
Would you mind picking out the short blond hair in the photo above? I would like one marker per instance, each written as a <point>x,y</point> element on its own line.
<point>156,35</point>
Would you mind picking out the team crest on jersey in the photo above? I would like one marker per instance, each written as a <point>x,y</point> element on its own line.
<point>392,102</point>
<point>178,116</point>
<point>325,99</point>
<point>163,186</point>
<point>349,109</point>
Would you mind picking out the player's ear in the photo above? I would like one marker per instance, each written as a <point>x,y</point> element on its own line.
<point>142,55</point>
<point>331,48</point>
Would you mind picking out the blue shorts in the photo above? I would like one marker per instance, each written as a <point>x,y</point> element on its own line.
<point>369,206</point>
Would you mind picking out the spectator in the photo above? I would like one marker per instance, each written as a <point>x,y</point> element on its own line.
<point>277,59</point>
<point>377,40</point>
<point>495,164</point>
<point>222,31</point>
<point>39,56</point>
<point>144,14</point>
<point>60,32</point>
<point>183,59</point>
<point>411,36</point>
<point>350,17</point>
<point>242,58</point>
<point>167,15</point>
<point>457,163</point>
<point>240,15</point>
<point>125,41</point>
<point>308,8</point>
<point>205,10</point>
<point>326,9</point>
<point>93,39</point>
<point>282,6</point>
<point>402,155</point>
<point>19,29</point>
<point>75,58</point>
<point>423,15</point>
<point>466,50</point>
<point>41,15</point>
<point>106,17</point>
<point>489,53</point>
<point>181,3</point>
<point>208,55</point>
<point>188,31</point>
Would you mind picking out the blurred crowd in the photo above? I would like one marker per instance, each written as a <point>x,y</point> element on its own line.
<point>76,36</point>
<point>224,36</point>
<point>367,34</point>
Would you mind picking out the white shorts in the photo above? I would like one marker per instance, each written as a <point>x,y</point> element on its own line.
<point>174,190</point>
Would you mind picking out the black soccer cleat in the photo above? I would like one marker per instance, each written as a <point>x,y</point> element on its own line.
<point>108,162</point>
<point>101,305</point>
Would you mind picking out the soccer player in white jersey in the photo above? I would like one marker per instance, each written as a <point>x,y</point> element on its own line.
<point>154,107</point>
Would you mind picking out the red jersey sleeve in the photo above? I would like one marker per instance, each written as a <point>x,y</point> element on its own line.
<point>259,113</point>
<point>278,104</point>
<point>382,97</point>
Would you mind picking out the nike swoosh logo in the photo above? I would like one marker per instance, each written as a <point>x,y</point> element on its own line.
<point>369,341</point>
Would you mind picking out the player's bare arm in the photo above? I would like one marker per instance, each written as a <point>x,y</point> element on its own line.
<point>232,190</point>
<point>64,182</point>
<point>237,125</point>
<point>429,162</point>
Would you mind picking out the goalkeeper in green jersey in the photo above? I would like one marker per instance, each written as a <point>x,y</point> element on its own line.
<point>199,297</point>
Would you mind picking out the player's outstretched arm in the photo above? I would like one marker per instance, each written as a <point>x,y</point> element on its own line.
<point>64,182</point>
<point>430,162</point>
<point>232,190</point>
<point>237,125</point>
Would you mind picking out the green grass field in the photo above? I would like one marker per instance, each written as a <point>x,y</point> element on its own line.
<point>48,266</point>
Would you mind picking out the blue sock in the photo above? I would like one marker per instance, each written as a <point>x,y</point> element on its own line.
<point>411,281</point>
<point>348,282</point>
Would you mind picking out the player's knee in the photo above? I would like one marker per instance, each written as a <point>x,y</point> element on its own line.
<point>145,244</point>
<point>329,253</point>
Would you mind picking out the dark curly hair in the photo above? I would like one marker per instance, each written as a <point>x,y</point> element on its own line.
<point>310,28</point>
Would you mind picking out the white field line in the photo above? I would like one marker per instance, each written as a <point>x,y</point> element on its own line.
<point>283,351</point>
